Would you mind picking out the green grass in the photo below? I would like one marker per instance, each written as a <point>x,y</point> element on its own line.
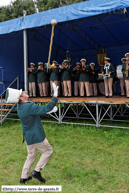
<point>84,158</point>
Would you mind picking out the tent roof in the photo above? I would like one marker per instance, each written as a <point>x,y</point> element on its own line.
<point>63,14</point>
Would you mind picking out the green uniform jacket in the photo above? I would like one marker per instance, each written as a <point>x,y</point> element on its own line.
<point>84,75</point>
<point>111,69</point>
<point>93,77</point>
<point>76,75</point>
<point>54,73</point>
<point>29,114</point>
<point>66,73</point>
<point>32,75</point>
<point>124,70</point>
<point>42,75</point>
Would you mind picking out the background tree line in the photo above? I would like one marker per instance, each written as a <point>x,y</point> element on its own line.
<point>15,8</point>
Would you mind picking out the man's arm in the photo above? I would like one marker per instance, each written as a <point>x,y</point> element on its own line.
<point>42,109</point>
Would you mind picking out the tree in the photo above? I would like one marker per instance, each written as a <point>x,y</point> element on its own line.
<point>15,8</point>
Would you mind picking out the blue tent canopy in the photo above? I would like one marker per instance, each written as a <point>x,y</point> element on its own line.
<point>82,28</point>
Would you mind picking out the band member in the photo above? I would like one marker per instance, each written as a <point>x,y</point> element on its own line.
<point>66,76</point>
<point>108,72</point>
<point>115,79</point>
<point>54,76</point>
<point>61,79</point>
<point>84,78</point>
<point>47,82</point>
<point>101,81</point>
<point>34,135</point>
<point>76,73</point>
<point>93,79</point>
<point>125,70</point>
<point>42,79</point>
<point>122,81</point>
<point>32,80</point>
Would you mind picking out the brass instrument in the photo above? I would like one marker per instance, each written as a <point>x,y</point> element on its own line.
<point>52,66</point>
<point>40,68</point>
<point>127,69</point>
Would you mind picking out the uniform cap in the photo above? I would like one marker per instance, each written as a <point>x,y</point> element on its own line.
<point>83,60</point>
<point>32,64</point>
<point>40,63</point>
<point>92,63</point>
<point>106,59</point>
<point>123,59</point>
<point>127,54</point>
<point>65,61</point>
<point>78,63</point>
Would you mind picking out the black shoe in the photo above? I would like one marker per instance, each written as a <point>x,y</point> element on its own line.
<point>22,181</point>
<point>38,176</point>
<point>110,96</point>
<point>106,96</point>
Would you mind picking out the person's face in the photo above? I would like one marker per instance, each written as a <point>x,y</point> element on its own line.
<point>127,58</point>
<point>66,63</point>
<point>123,61</point>
<point>24,95</point>
<point>92,67</point>
<point>83,63</point>
<point>106,62</point>
<point>101,67</point>
<point>32,66</point>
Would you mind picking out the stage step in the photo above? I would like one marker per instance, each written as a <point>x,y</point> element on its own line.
<point>5,109</point>
<point>8,104</point>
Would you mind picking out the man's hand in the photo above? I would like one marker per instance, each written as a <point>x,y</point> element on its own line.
<point>53,110</point>
<point>55,88</point>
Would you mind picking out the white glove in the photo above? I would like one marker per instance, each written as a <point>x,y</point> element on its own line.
<point>55,109</point>
<point>55,88</point>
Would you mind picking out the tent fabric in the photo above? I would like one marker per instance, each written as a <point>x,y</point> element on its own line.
<point>63,14</point>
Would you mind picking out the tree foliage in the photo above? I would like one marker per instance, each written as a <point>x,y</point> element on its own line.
<point>15,8</point>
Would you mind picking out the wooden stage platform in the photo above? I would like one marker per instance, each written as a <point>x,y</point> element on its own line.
<point>114,99</point>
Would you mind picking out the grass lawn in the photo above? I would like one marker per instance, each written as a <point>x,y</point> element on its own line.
<point>84,158</point>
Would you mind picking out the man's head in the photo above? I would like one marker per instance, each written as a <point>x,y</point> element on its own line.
<point>32,65</point>
<point>106,60</point>
<point>123,60</point>
<point>40,64</point>
<point>23,97</point>
<point>83,61</point>
<point>127,56</point>
<point>55,63</point>
<point>92,65</point>
<point>66,62</point>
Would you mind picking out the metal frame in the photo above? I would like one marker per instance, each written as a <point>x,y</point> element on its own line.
<point>97,112</point>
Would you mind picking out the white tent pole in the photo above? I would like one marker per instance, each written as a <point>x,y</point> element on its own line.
<point>25,48</point>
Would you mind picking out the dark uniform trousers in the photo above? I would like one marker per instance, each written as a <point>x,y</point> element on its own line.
<point>101,88</point>
<point>76,88</point>
<point>47,88</point>
<point>32,89</point>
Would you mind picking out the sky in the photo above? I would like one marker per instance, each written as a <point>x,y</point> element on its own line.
<point>4,2</point>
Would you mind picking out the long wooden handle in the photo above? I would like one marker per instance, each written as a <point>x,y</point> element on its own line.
<point>51,42</point>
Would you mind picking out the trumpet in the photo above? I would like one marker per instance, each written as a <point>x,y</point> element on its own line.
<point>51,66</point>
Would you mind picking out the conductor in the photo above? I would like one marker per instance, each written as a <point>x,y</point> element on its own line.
<point>33,132</point>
